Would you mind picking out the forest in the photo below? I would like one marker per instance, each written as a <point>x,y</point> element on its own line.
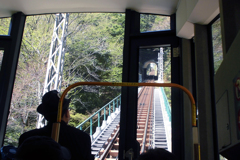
<point>94,52</point>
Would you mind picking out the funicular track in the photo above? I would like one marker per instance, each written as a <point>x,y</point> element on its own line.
<point>144,127</point>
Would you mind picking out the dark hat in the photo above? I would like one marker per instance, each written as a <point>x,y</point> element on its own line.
<point>49,106</point>
<point>42,147</point>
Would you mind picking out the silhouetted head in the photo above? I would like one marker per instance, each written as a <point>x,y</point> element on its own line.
<point>157,154</point>
<point>41,148</point>
<point>49,106</point>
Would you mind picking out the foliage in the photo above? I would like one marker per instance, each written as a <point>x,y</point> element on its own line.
<point>12,134</point>
<point>222,158</point>
<point>77,118</point>
<point>99,58</point>
<point>146,22</point>
<point>217,44</point>
<point>4,27</point>
<point>29,77</point>
<point>167,72</point>
<point>167,91</point>
<point>167,64</point>
<point>149,22</point>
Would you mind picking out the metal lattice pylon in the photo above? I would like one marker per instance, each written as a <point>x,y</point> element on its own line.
<point>54,72</point>
<point>160,65</point>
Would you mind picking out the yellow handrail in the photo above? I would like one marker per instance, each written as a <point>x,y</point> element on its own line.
<point>56,127</point>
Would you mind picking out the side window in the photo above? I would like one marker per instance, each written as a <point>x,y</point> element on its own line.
<point>217,50</point>
<point>150,22</point>
<point>1,57</point>
<point>4,30</point>
<point>4,26</point>
<point>217,44</point>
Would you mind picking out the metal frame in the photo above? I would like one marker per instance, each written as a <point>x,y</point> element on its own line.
<point>160,64</point>
<point>132,41</point>
<point>128,118</point>
<point>11,45</point>
<point>211,66</point>
<point>109,104</point>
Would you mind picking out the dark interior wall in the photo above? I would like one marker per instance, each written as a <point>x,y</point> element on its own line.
<point>225,80</point>
<point>204,103</point>
<point>230,15</point>
<point>187,82</point>
<point>227,103</point>
<point>128,146</point>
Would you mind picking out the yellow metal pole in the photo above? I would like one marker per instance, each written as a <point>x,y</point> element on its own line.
<point>55,131</point>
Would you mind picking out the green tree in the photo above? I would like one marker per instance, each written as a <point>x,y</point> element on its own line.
<point>146,22</point>
<point>150,22</point>
<point>217,44</point>
<point>4,26</point>
<point>29,77</point>
<point>94,53</point>
<point>77,118</point>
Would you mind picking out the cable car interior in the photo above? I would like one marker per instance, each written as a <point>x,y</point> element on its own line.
<point>190,41</point>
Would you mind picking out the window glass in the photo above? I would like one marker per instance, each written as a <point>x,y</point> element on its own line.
<point>4,26</point>
<point>30,76</point>
<point>150,22</point>
<point>1,57</point>
<point>223,158</point>
<point>217,44</point>
<point>93,52</point>
<point>154,67</point>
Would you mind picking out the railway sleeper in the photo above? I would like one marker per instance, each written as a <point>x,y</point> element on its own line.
<point>110,139</point>
<point>113,153</point>
<point>142,130</point>
<point>139,135</point>
<point>116,146</point>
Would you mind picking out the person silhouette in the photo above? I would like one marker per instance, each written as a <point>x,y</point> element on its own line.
<point>77,141</point>
<point>157,154</point>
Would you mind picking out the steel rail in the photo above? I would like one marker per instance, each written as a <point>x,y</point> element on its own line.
<point>141,91</point>
<point>144,97</point>
<point>142,100</point>
<point>106,152</point>
<point>151,135</point>
<point>146,123</point>
<point>110,145</point>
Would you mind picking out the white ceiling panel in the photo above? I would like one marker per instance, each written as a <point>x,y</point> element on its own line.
<point>29,7</point>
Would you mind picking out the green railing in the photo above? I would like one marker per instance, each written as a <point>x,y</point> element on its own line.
<point>166,103</point>
<point>110,107</point>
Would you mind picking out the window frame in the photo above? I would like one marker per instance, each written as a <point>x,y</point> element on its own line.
<point>212,72</point>
<point>11,45</point>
